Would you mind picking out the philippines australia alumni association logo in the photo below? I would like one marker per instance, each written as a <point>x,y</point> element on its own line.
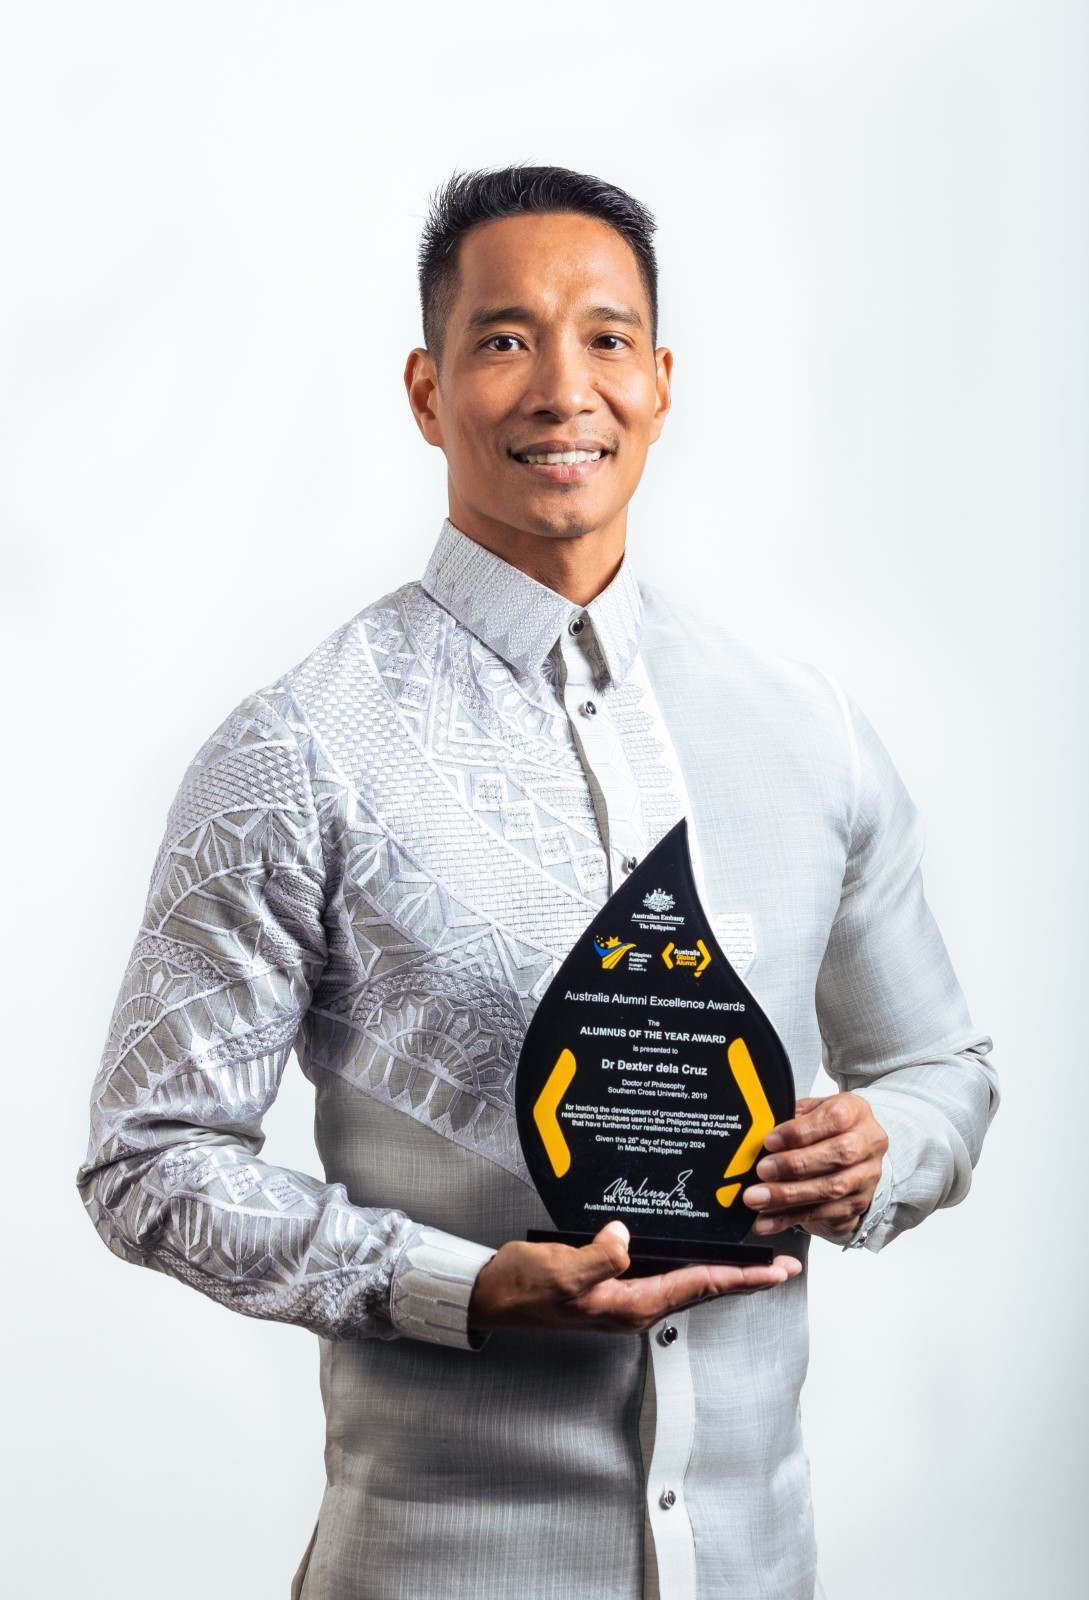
<point>611,950</point>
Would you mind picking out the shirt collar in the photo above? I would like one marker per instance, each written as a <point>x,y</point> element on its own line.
<point>519,618</point>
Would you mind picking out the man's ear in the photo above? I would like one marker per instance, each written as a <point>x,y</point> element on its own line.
<point>663,367</point>
<point>422,386</point>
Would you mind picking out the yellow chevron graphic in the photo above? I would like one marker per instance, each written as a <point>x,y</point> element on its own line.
<point>544,1113</point>
<point>756,1101</point>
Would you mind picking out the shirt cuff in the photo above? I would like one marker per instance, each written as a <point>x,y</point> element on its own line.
<point>432,1283</point>
<point>869,1234</point>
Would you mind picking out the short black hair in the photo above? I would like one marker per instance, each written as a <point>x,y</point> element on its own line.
<point>468,199</point>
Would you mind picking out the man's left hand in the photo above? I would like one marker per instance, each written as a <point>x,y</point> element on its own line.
<point>821,1169</point>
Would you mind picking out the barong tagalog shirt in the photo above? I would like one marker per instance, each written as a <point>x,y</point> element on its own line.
<point>381,861</point>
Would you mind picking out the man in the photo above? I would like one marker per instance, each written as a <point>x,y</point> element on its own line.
<point>383,858</point>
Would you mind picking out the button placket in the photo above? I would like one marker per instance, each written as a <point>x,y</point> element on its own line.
<point>674,1432</point>
<point>612,781</point>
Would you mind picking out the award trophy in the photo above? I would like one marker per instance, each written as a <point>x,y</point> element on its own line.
<point>650,1078</point>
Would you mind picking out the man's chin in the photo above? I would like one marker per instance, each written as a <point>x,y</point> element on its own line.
<point>561,521</point>
<point>567,532</point>
<point>553,517</point>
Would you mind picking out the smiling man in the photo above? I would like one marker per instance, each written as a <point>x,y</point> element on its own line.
<point>546,490</point>
<point>382,859</point>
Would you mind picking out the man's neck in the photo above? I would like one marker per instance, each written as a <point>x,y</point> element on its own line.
<point>579,568</point>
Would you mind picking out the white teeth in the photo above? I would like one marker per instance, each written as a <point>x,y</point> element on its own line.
<point>557,458</point>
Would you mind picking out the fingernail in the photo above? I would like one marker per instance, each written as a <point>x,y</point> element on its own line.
<point>768,1168</point>
<point>765,1225</point>
<point>774,1141</point>
<point>758,1195</point>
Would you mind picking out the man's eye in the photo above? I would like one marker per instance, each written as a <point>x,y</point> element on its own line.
<point>503,342</point>
<point>615,341</point>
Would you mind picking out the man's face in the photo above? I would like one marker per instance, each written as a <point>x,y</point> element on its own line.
<point>548,351</point>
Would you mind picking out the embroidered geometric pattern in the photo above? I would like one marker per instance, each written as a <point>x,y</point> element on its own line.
<point>379,861</point>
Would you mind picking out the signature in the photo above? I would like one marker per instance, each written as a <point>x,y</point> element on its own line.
<point>620,1192</point>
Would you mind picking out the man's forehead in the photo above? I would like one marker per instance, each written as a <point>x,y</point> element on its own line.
<point>539,261</point>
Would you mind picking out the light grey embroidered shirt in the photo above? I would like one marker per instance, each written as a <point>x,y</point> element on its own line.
<point>381,861</point>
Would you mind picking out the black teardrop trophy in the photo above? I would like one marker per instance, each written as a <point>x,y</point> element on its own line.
<point>650,1078</point>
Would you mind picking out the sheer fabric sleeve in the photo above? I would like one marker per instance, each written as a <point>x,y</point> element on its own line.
<point>893,1020</point>
<point>231,945</point>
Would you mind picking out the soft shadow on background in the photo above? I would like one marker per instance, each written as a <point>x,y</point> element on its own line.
<point>873,256</point>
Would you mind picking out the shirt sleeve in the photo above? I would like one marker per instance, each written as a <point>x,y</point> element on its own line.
<point>231,946</point>
<point>894,1023</point>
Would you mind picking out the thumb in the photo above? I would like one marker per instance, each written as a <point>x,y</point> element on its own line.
<point>606,1256</point>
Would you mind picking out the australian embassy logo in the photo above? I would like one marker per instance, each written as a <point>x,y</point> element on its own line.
<point>657,900</point>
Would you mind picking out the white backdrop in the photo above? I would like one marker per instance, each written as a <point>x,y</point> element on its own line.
<point>873,255</point>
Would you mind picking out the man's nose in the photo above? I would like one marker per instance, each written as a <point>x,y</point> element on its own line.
<point>562,381</point>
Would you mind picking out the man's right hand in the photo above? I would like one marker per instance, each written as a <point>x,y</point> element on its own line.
<point>556,1286</point>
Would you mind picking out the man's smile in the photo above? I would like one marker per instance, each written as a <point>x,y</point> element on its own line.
<point>562,460</point>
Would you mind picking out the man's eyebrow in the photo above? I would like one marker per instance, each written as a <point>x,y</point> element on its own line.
<point>484,316</point>
<point>626,314</point>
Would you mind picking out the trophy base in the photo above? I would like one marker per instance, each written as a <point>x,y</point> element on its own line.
<point>651,1256</point>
